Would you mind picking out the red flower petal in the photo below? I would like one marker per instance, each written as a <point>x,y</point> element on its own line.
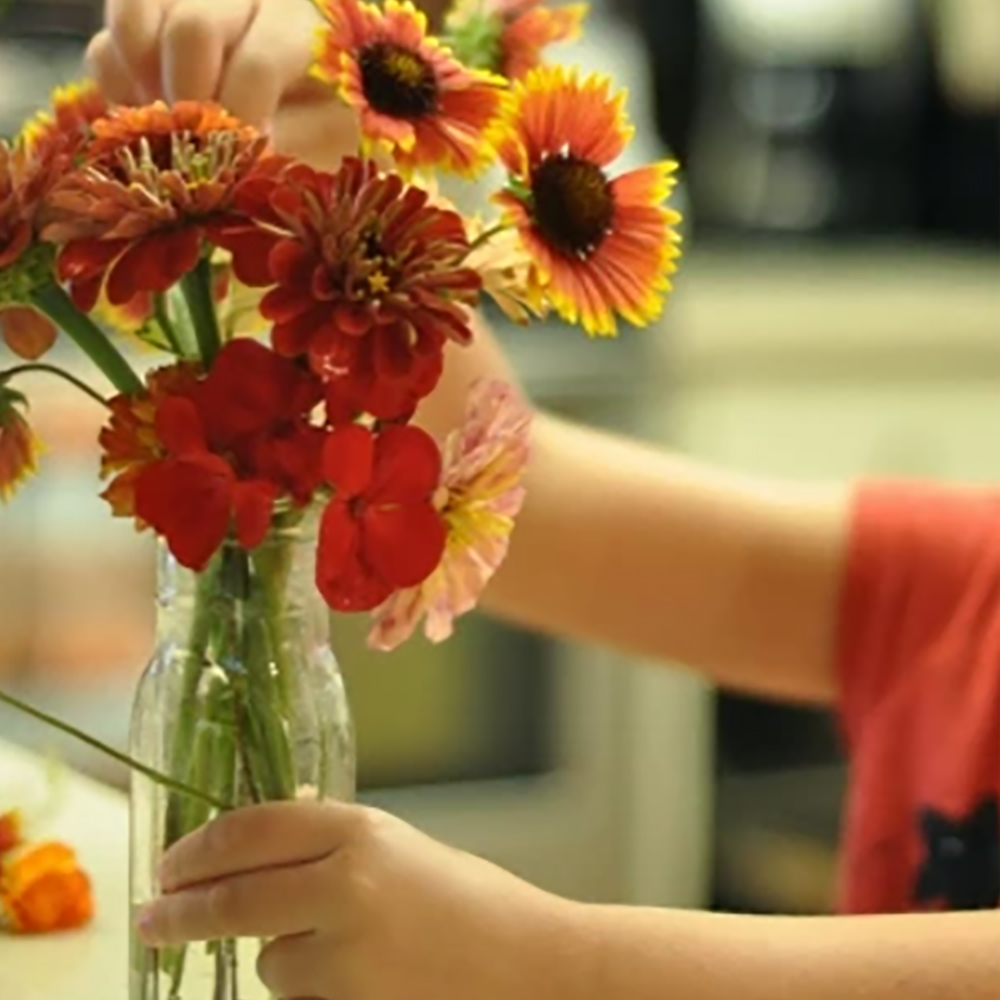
<point>293,264</point>
<point>250,248</point>
<point>248,388</point>
<point>189,503</point>
<point>154,264</point>
<point>292,339</point>
<point>407,467</point>
<point>355,589</point>
<point>348,460</point>
<point>253,505</point>
<point>337,565</point>
<point>28,333</point>
<point>403,544</point>
<point>85,292</point>
<point>284,304</point>
<point>86,258</point>
<point>178,426</point>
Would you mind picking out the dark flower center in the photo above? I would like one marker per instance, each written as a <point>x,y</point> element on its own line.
<point>573,204</point>
<point>398,81</point>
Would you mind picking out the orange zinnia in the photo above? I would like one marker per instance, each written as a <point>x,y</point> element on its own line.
<point>601,248</point>
<point>19,448</point>
<point>413,96</point>
<point>41,154</point>
<point>63,130</point>
<point>136,214</point>
<point>509,36</point>
<point>45,890</point>
<point>23,265</point>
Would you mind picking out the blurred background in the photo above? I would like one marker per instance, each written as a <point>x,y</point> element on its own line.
<point>838,314</point>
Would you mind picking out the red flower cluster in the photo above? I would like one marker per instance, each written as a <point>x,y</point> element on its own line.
<point>197,456</point>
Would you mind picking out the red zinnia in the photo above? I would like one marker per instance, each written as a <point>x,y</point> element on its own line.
<point>380,532</point>
<point>370,278</point>
<point>137,213</point>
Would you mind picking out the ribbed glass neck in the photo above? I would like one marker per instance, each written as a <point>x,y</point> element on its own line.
<point>276,579</point>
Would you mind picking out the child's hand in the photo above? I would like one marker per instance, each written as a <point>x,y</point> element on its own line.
<point>363,907</point>
<point>252,56</point>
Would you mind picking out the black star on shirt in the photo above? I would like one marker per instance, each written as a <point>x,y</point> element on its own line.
<point>962,866</point>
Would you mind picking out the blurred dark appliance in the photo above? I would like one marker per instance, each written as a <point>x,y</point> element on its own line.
<point>826,119</point>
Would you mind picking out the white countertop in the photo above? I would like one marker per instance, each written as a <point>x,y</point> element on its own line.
<point>87,964</point>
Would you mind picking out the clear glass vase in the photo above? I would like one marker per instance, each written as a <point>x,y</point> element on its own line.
<point>243,702</point>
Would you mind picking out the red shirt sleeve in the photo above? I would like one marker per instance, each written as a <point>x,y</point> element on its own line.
<point>922,564</point>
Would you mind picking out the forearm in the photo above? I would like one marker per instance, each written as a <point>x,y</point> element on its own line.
<point>663,557</point>
<point>671,955</point>
<point>668,559</point>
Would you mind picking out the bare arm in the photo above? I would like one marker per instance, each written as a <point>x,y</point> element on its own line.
<point>653,955</point>
<point>628,546</point>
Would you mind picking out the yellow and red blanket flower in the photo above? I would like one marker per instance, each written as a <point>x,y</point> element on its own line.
<point>601,247</point>
<point>480,493</point>
<point>370,278</point>
<point>43,889</point>
<point>19,448</point>
<point>509,37</point>
<point>413,97</point>
<point>135,216</point>
<point>380,532</point>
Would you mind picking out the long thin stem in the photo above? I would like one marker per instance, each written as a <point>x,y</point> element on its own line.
<point>151,773</point>
<point>486,235</point>
<point>197,288</point>
<point>9,373</point>
<point>166,324</point>
<point>89,337</point>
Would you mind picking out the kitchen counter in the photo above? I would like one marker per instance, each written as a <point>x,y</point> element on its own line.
<point>87,964</point>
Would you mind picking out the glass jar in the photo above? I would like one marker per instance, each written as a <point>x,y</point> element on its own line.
<point>242,703</point>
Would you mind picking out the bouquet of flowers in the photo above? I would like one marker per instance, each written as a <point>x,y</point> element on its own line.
<point>303,315</point>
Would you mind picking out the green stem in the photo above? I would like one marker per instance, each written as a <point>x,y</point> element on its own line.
<point>197,288</point>
<point>486,235</point>
<point>89,337</point>
<point>10,373</point>
<point>160,779</point>
<point>166,324</point>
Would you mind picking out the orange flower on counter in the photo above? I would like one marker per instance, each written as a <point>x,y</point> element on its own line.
<point>11,831</point>
<point>43,889</point>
